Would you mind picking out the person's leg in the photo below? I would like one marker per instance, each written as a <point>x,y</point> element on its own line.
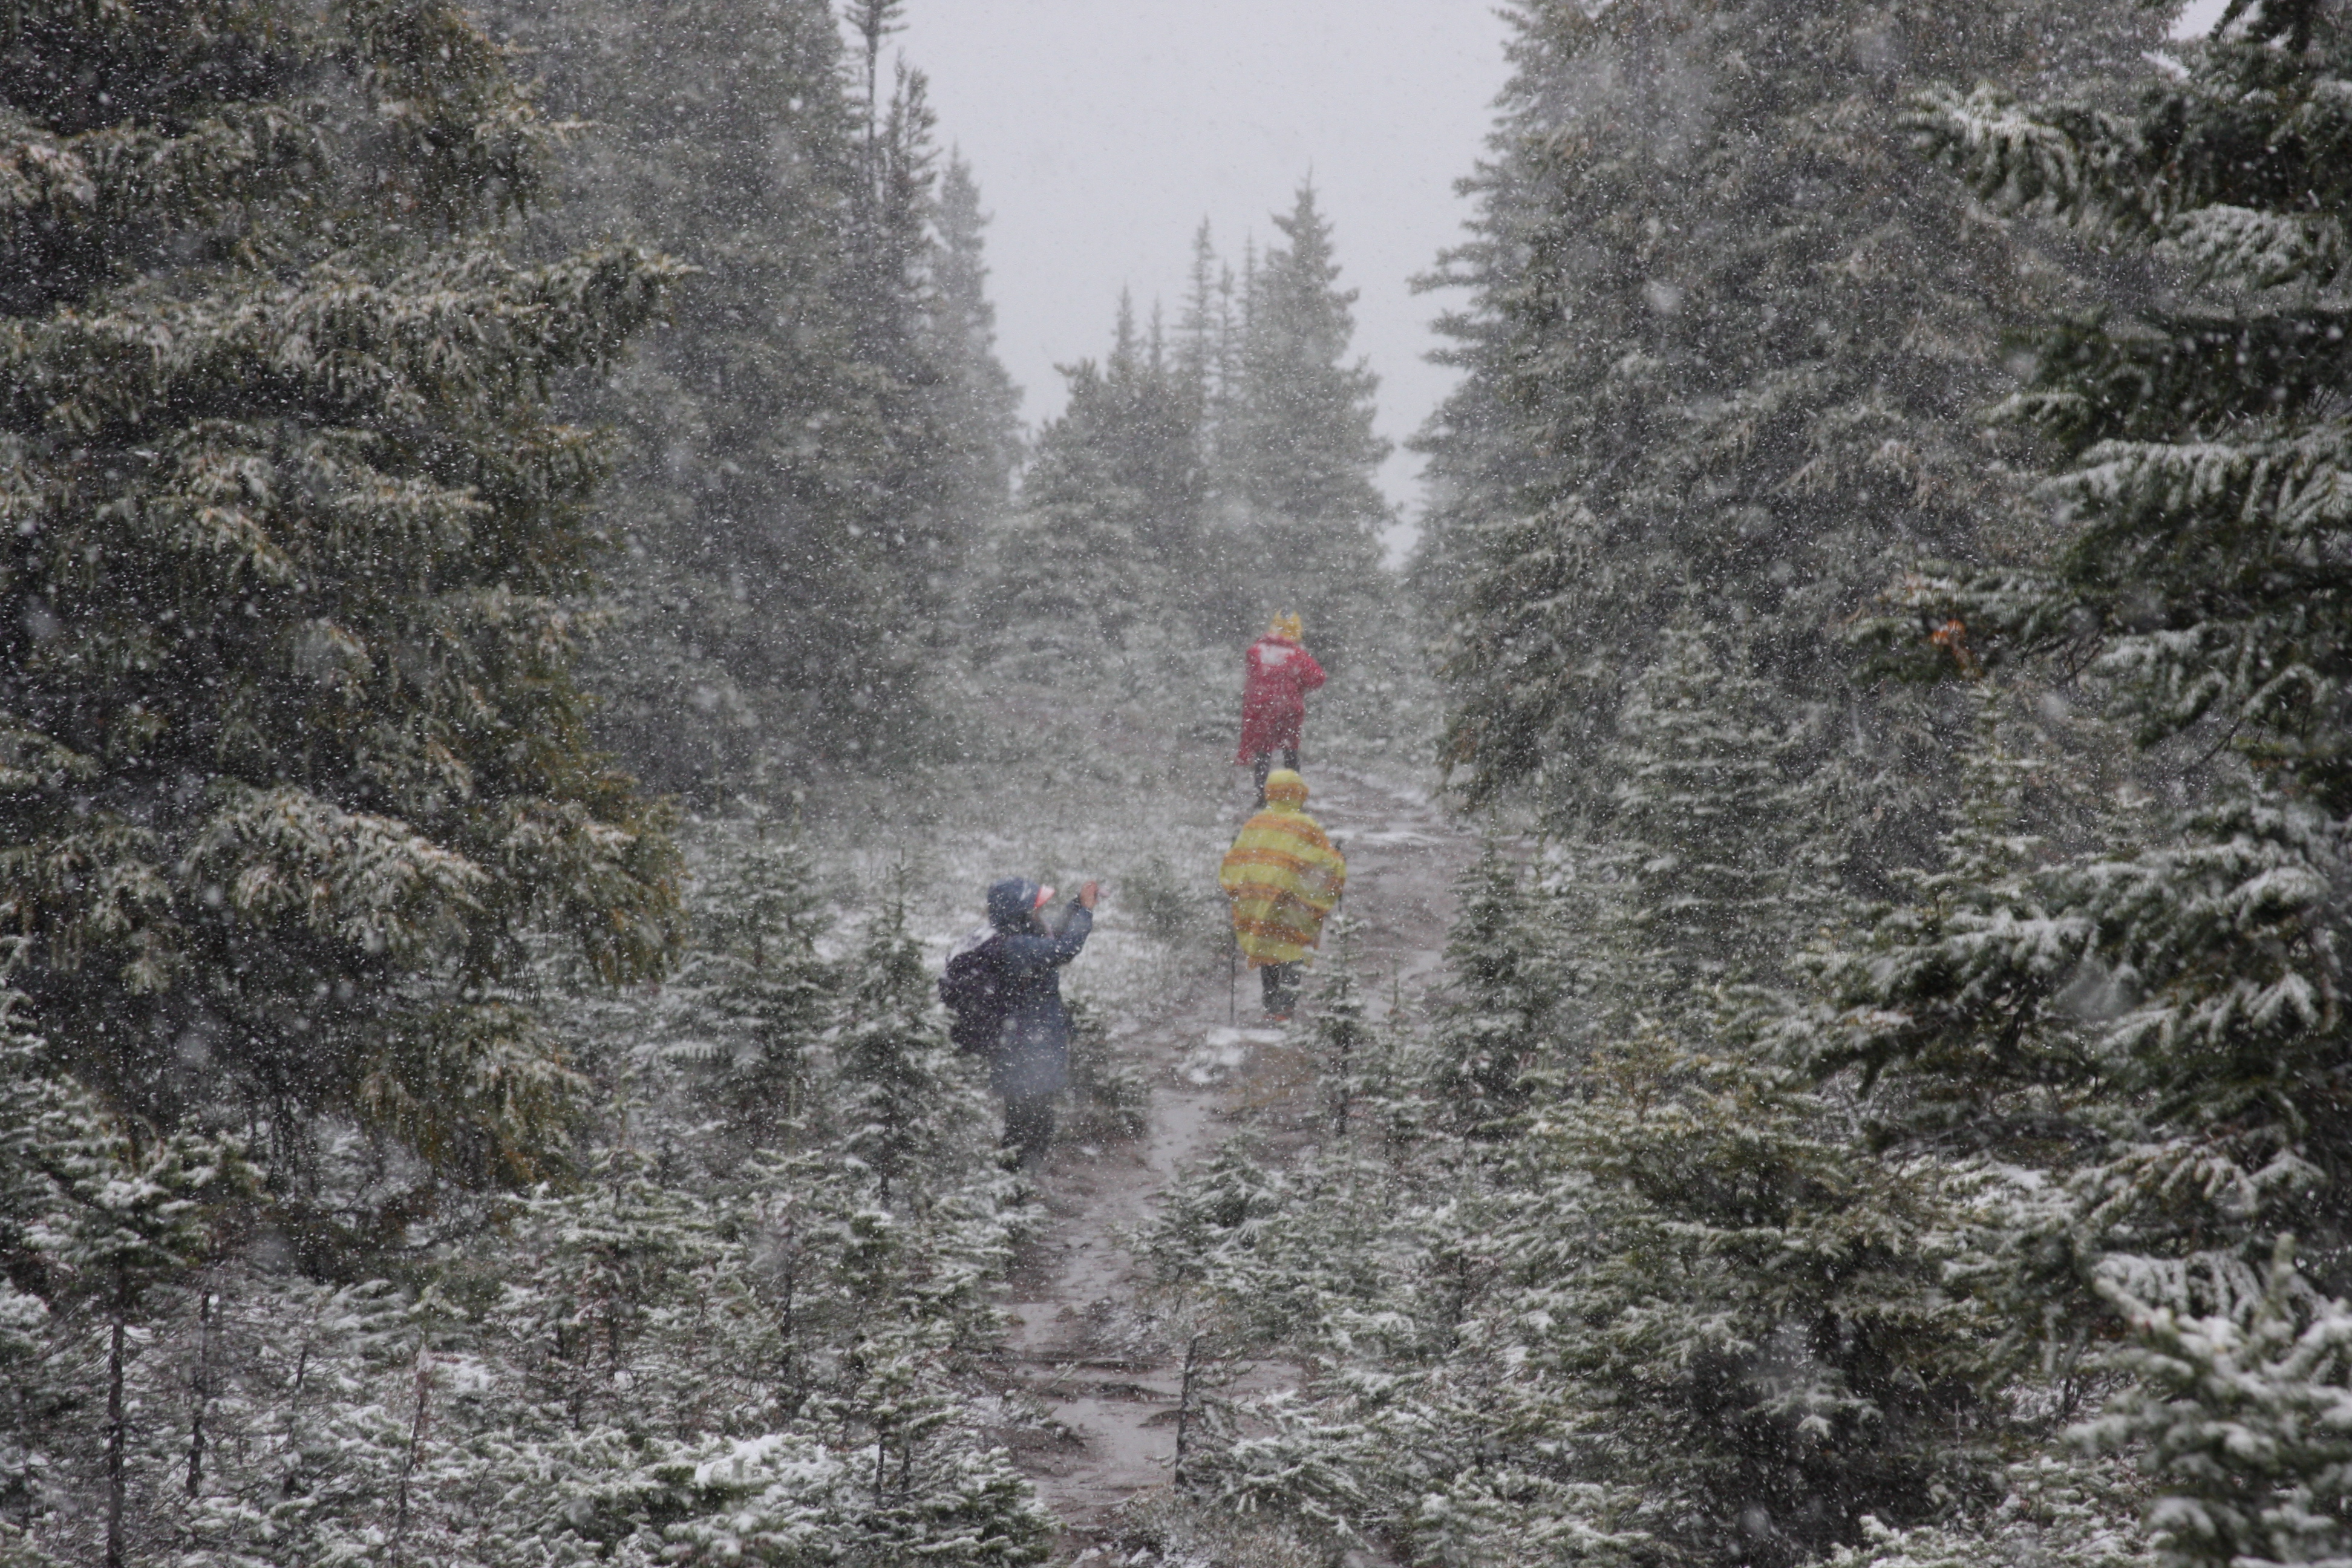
<point>1260,766</point>
<point>1029,1126</point>
<point>1041,1132</point>
<point>1280,985</point>
<point>1292,975</point>
<point>1289,760</point>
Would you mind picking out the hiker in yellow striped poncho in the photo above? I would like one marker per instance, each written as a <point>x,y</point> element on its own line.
<point>1282,877</point>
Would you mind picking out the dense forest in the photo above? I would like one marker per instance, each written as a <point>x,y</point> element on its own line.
<point>529,615</point>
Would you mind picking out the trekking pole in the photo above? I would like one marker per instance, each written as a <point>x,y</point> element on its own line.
<point>1233,982</point>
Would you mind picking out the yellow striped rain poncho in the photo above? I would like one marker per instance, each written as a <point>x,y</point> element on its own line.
<point>1282,875</point>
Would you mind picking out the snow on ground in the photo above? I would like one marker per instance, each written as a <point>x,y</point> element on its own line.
<point>1131,783</point>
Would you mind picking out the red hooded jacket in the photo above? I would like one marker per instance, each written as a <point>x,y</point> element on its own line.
<point>1273,700</point>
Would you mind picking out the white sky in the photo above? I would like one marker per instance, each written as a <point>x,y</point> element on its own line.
<point>2197,18</point>
<point>1102,131</point>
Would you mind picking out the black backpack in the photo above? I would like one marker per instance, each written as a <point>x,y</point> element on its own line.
<point>976,995</point>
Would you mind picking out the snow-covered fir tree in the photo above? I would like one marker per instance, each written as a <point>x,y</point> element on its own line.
<point>1960,1007</point>
<point>292,747</point>
<point>99,1216</point>
<point>1341,1022</point>
<point>816,432</point>
<point>899,1093</point>
<point>1508,988</point>
<point>2194,509</point>
<point>1705,824</point>
<point>1721,338</point>
<point>1106,545</point>
<point>1295,444</point>
<point>753,994</point>
<point>2189,1086</point>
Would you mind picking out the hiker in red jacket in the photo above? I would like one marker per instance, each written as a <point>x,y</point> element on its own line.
<point>1274,701</point>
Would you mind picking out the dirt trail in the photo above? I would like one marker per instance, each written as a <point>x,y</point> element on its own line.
<point>1076,1342</point>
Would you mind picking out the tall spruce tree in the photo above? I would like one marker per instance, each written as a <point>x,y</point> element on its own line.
<point>1205,348</point>
<point>1108,544</point>
<point>2200,513</point>
<point>980,407</point>
<point>806,432</point>
<point>2202,1186</point>
<point>289,746</point>
<point>1719,338</point>
<point>1295,448</point>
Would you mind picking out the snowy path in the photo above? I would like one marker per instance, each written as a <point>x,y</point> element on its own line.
<point>1076,1342</point>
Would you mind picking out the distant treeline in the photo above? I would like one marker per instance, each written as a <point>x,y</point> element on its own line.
<point>816,491</point>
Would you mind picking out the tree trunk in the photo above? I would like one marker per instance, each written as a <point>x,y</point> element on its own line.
<point>1342,1055</point>
<point>416,1450</point>
<point>1184,1407</point>
<point>201,1393</point>
<point>116,1437</point>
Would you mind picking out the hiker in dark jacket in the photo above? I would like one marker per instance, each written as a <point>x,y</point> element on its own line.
<point>1031,1063</point>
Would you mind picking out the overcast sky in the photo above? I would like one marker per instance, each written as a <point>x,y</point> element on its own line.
<point>1102,131</point>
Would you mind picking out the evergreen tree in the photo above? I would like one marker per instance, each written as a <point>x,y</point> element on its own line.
<point>1207,356</point>
<point>2194,512</point>
<point>1205,347</point>
<point>1214,1216</point>
<point>753,996</point>
<point>805,434</point>
<point>613,1272</point>
<point>1345,1036</point>
<point>1296,448</point>
<point>1705,352</point>
<point>2204,439</point>
<point>44,1397</point>
<point>982,406</point>
<point>1110,1097</point>
<point>895,1095</point>
<point>2237,1417</point>
<point>1706,822</point>
<point>97,1215</point>
<point>1761,1330</point>
<point>1191,485</point>
<point>1505,995</point>
<point>1683,1317</point>
<point>1774,1402</point>
<point>292,750</point>
<point>139,1215</point>
<point>641,1367</point>
<point>1961,995</point>
<point>1108,543</point>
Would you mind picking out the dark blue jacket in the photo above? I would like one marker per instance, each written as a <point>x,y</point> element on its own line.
<point>1034,1057</point>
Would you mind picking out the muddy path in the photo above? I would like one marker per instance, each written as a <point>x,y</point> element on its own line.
<point>1077,1343</point>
